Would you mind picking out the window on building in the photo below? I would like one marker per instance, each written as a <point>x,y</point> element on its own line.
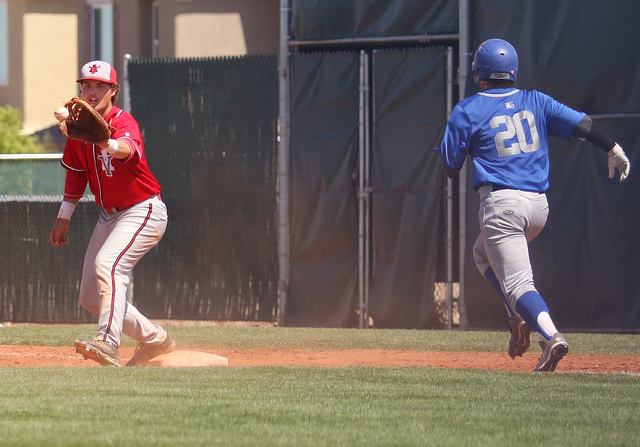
<point>4,44</point>
<point>101,30</point>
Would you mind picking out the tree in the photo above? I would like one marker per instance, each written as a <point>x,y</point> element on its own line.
<point>11,141</point>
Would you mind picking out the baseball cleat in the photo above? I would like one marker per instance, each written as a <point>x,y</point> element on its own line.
<point>145,352</point>
<point>98,351</point>
<point>553,351</point>
<point>520,336</point>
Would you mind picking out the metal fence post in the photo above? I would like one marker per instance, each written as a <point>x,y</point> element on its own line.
<point>364,195</point>
<point>126,88</point>
<point>283,163</point>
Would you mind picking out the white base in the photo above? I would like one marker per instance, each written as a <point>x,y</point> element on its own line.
<point>188,358</point>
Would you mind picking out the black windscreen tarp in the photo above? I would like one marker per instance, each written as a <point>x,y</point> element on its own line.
<point>582,52</point>
<point>407,121</point>
<point>323,223</point>
<point>322,19</point>
<point>406,177</point>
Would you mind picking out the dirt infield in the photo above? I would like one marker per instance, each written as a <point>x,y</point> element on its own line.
<point>37,356</point>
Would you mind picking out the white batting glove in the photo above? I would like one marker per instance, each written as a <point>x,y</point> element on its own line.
<point>618,160</point>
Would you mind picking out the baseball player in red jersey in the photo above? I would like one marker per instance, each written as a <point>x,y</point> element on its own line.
<point>132,222</point>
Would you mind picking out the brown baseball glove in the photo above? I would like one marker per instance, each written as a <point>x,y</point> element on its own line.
<point>84,123</point>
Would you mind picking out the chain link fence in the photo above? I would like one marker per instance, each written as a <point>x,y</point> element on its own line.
<point>39,282</point>
<point>210,130</point>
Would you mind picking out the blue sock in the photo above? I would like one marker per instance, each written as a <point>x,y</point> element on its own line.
<point>491,277</point>
<point>529,306</point>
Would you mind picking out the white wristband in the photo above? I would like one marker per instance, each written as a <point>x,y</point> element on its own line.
<point>66,210</point>
<point>113,146</point>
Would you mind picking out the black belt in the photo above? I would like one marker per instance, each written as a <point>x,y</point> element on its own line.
<point>116,209</point>
<point>495,187</point>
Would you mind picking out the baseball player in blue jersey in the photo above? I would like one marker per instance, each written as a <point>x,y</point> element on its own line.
<point>504,131</point>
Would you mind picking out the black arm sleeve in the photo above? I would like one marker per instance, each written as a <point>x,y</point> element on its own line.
<point>589,131</point>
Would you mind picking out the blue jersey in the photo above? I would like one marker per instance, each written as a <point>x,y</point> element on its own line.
<point>505,133</point>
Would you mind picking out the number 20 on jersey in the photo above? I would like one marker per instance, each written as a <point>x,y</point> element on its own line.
<point>515,128</point>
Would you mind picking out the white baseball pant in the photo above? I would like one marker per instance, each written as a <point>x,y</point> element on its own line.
<point>118,242</point>
<point>509,219</point>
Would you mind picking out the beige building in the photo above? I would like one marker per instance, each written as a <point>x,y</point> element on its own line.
<point>43,43</point>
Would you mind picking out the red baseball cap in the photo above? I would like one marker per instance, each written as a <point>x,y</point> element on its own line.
<point>98,70</point>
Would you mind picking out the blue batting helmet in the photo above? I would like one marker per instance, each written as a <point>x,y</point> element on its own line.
<point>495,59</point>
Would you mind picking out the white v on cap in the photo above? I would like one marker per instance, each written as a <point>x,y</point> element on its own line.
<point>98,70</point>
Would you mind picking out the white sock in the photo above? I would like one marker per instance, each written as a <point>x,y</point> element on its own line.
<point>545,323</point>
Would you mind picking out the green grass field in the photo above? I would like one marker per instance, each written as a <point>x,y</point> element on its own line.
<point>306,406</point>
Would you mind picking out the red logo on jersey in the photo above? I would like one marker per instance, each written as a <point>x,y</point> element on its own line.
<point>94,68</point>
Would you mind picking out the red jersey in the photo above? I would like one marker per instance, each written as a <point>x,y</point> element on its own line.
<point>115,183</point>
